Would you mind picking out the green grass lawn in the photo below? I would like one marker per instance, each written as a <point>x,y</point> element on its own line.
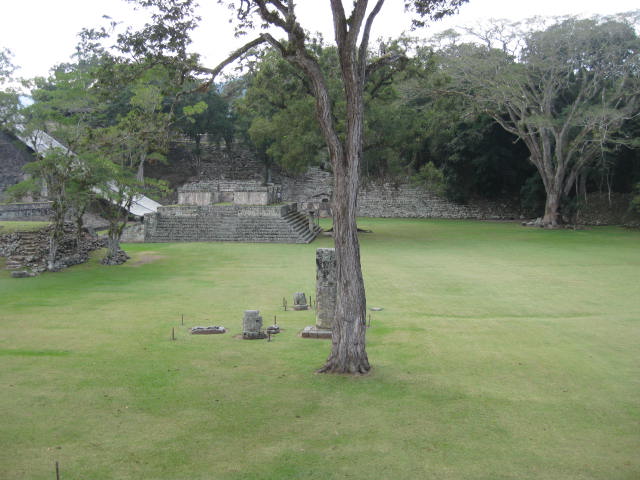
<point>10,226</point>
<point>501,353</point>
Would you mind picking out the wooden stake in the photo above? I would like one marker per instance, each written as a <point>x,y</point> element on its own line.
<point>182,321</point>
<point>57,471</point>
<point>173,333</point>
<point>275,320</point>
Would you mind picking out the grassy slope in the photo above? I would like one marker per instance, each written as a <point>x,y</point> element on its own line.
<point>501,353</point>
<point>10,226</point>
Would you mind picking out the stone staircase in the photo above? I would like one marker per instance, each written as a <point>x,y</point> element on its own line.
<point>29,251</point>
<point>291,227</point>
<point>299,224</point>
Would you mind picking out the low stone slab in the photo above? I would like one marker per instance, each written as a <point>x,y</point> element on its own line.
<point>273,329</point>
<point>376,309</point>
<point>22,274</point>
<point>314,332</point>
<point>214,330</point>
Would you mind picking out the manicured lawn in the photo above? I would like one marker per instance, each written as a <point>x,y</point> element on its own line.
<point>501,353</point>
<point>10,227</point>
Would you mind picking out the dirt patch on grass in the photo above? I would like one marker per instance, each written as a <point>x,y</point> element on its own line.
<point>146,257</point>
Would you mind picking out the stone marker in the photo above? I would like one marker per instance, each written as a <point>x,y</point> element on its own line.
<point>325,287</point>
<point>300,301</point>
<point>273,329</point>
<point>252,325</point>
<point>325,294</point>
<point>214,330</point>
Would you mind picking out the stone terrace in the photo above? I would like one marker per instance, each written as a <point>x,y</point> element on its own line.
<point>229,223</point>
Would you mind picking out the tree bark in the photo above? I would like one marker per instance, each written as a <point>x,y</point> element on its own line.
<point>348,353</point>
<point>140,173</point>
<point>57,233</point>
<point>552,216</point>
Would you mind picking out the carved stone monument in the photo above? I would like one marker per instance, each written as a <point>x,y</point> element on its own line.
<point>325,294</point>
<point>300,301</point>
<point>252,325</point>
<point>325,287</point>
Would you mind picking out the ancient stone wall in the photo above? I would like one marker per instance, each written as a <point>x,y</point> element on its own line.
<point>385,199</point>
<point>37,211</point>
<point>405,200</point>
<point>602,209</point>
<point>12,158</point>
<point>27,251</point>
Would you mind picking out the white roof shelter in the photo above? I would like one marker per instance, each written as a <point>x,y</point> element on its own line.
<point>42,141</point>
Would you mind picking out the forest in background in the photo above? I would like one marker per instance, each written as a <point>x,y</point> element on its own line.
<point>432,109</point>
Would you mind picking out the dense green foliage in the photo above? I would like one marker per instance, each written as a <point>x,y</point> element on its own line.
<point>9,99</point>
<point>415,113</point>
<point>501,352</point>
<point>566,93</point>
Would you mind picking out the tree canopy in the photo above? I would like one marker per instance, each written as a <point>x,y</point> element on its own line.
<point>565,94</point>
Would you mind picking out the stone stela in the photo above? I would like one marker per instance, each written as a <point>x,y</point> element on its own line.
<point>252,325</point>
<point>300,301</point>
<point>325,294</point>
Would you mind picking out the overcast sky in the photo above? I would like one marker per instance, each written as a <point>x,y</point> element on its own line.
<point>42,33</point>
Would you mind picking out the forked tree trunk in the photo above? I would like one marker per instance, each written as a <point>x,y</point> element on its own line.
<point>348,353</point>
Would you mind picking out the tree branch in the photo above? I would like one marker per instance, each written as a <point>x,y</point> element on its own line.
<point>214,72</point>
<point>364,44</point>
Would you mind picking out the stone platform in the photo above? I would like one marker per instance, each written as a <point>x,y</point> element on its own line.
<point>229,223</point>
<point>314,332</point>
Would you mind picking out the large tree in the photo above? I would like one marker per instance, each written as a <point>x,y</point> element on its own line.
<point>9,100</point>
<point>565,93</point>
<point>352,31</point>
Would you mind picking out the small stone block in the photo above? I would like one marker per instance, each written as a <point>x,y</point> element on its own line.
<point>214,330</point>
<point>376,309</point>
<point>314,332</point>
<point>273,329</point>
<point>253,335</point>
<point>22,274</point>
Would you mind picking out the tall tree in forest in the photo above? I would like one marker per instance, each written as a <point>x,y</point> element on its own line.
<point>565,94</point>
<point>9,99</point>
<point>352,35</point>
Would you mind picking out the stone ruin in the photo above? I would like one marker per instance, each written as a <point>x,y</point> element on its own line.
<point>236,193</point>
<point>325,294</point>
<point>213,330</point>
<point>300,301</point>
<point>232,212</point>
<point>252,325</point>
<point>27,251</point>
